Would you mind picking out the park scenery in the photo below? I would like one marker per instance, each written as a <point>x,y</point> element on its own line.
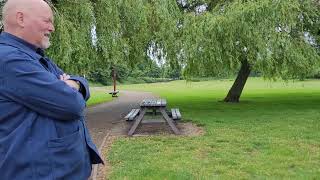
<point>273,133</point>
<point>243,74</point>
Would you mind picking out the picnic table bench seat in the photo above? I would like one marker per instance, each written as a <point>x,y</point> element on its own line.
<point>175,114</point>
<point>132,114</point>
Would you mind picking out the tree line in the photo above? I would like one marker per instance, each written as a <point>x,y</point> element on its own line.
<point>196,38</point>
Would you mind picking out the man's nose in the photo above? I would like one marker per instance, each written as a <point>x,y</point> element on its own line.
<point>51,28</point>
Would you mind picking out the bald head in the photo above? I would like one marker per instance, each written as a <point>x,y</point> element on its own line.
<point>31,20</point>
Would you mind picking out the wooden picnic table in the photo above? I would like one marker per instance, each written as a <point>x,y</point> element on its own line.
<point>155,105</point>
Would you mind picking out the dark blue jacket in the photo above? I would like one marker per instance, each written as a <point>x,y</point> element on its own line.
<point>42,129</point>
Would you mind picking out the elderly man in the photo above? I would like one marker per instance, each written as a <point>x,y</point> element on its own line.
<point>42,130</point>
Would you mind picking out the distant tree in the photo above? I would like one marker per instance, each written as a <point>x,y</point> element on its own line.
<point>72,46</point>
<point>126,29</point>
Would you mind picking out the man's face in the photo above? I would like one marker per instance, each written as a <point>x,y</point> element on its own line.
<point>39,26</point>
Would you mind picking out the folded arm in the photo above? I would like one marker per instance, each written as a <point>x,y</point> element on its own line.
<point>83,83</point>
<point>29,84</point>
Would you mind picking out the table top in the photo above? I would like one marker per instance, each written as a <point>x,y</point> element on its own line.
<point>153,103</point>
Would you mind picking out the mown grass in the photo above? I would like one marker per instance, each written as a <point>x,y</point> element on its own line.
<point>98,95</point>
<point>273,133</point>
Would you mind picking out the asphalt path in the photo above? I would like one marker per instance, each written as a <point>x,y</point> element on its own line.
<point>104,118</point>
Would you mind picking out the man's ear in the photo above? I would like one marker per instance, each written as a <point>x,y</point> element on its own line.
<point>20,19</point>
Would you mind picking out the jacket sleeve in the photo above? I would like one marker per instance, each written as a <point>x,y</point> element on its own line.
<point>84,90</point>
<point>28,83</point>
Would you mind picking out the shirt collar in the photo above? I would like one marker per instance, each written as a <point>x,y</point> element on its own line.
<point>16,41</point>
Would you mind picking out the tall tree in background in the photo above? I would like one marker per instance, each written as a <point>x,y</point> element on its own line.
<point>266,36</point>
<point>126,30</point>
<point>120,27</point>
<point>163,19</point>
<point>72,46</point>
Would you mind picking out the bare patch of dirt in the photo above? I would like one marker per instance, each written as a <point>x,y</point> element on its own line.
<point>186,129</point>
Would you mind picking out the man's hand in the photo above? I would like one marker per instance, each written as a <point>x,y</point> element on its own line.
<point>64,77</point>
<point>73,84</point>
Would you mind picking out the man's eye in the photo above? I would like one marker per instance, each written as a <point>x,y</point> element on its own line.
<point>47,21</point>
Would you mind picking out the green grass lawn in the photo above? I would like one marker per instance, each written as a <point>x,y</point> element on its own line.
<point>98,95</point>
<point>273,133</point>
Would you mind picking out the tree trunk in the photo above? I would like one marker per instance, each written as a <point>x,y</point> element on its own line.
<point>238,85</point>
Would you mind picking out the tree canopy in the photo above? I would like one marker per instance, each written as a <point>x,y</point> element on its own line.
<point>200,37</point>
<point>263,33</point>
<point>267,36</point>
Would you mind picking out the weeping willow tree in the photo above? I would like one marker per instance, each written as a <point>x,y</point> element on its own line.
<point>72,45</point>
<point>120,27</point>
<point>164,22</point>
<point>273,37</point>
<point>266,36</point>
<point>126,29</point>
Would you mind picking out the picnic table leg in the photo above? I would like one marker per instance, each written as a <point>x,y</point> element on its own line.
<point>137,121</point>
<point>169,120</point>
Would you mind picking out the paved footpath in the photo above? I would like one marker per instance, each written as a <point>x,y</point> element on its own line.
<point>104,117</point>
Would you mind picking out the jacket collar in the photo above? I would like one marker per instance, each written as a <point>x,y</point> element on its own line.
<point>12,40</point>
